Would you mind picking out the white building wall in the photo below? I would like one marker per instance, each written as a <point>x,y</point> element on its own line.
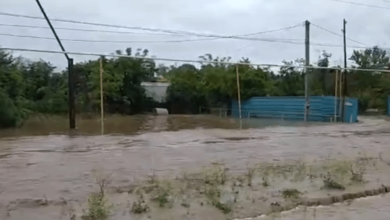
<point>156,90</point>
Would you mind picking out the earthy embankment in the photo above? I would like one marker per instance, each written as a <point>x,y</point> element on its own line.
<point>219,193</point>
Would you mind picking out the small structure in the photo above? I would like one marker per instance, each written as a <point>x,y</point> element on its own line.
<point>156,90</point>
<point>160,111</point>
<point>322,108</point>
<point>388,105</point>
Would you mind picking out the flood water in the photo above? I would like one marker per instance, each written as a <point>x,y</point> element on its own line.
<point>44,160</point>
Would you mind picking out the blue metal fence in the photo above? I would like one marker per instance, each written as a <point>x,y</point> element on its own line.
<point>322,108</point>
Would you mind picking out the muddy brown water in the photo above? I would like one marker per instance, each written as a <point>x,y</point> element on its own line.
<point>44,161</point>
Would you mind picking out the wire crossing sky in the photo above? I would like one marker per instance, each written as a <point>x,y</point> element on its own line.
<point>263,31</point>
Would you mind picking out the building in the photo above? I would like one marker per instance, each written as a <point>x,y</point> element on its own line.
<point>156,90</point>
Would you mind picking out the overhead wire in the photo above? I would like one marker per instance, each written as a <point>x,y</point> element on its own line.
<point>241,36</point>
<point>185,60</point>
<point>213,36</point>
<point>340,35</point>
<point>88,30</point>
<point>141,33</point>
<point>271,40</point>
<point>281,40</point>
<point>362,4</point>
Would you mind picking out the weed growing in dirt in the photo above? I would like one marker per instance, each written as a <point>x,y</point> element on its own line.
<point>98,205</point>
<point>213,194</point>
<point>211,186</point>
<point>291,193</point>
<point>265,171</point>
<point>215,175</point>
<point>139,206</point>
<point>344,172</point>
<point>294,172</point>
<point>163,194</point>
<point>358,168</point>
<point>300,171</point>
<point>250,173</point>
<point>161,191</point>
<point>225,208</point>
<point>357,173</point>
<point>264,182</point>
<point>330,183</point>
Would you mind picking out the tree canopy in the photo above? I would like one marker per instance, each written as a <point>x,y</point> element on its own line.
<point>28,87</point>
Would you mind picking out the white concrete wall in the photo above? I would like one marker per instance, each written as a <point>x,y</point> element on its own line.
<point>156,90</point>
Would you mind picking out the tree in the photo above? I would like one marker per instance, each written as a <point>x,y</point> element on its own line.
<point>28,87</point>
<point>372,88</point>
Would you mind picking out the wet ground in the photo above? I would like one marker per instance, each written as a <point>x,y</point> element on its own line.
<point>376,207</point>
<point>43,163</point>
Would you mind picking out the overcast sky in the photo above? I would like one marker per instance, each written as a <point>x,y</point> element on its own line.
<point>220,17</point>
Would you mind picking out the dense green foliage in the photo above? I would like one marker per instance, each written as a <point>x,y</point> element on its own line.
<point>214,85</point>
<point>36,87</point>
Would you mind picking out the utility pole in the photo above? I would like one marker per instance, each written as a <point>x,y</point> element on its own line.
<point>71,91</point>
<point>71,95</point>
<point>307,63</point>
<point>345,89</point>
<point>101,95</point>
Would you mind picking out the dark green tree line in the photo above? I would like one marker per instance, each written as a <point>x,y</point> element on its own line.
<point>28,87</point>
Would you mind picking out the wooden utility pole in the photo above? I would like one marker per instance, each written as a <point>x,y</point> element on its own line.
<point>101,95</point>
<point>239,95</point>
<point>307,63</point>
<point>336,79</point>
<point>345,89</point>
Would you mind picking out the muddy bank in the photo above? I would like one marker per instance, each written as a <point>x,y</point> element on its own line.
<point>375,207</point>
<point>215,192</point>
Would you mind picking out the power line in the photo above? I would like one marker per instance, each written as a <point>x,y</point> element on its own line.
<point>362,4</point>
<point>272,40</point>
<point>214,37</point>
<point>281,40</point>
<point>185,60</point>
<point>186,32</point>
<point>332,32</point>
<point>242,36</point>
<point>133,33</point>
<point>88,30</point>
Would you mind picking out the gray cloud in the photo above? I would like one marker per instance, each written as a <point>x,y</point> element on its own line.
<point>222,17</point>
